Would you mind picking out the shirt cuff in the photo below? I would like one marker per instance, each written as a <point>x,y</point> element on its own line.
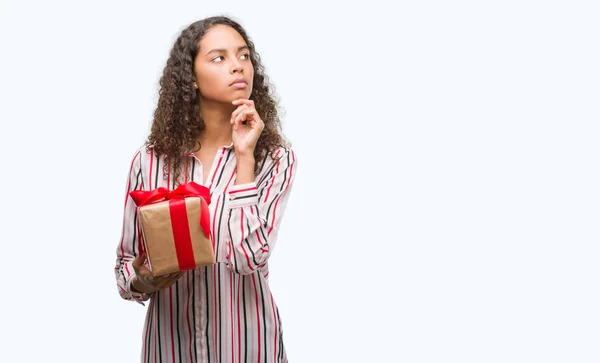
<point>243,195</point>
<point>137,296</point>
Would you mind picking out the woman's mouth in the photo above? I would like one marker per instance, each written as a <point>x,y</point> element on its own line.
<point>240,83</point>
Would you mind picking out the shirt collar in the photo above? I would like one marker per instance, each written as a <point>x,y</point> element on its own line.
<point>226,147</point>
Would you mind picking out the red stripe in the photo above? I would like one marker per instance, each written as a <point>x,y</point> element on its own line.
<point>231,178</point>
<point>213,227</point>
<point>205,218</point>
<point>181,234</point>
<point>171,319</point>
<point>150,173</point>
<point>291,169</point>
<point>147,333</point>
<point>231,315</point>
<point>239,325</point>
<point>145,339</point>
<point>125,219</point>
<point>272,179</point>
<point>215,173</point>
<point>275,323</point>
<point>242,240</point>
<point>141,247</point>
<point>226,188</point>
<point>257,234</point>
<point>127,270</point>
<point>257,316</point>
<point>215,306</point>
<point>277,202</point>
<point>199,318</point>
<point>187,308</point>
<point>242,190</point>
<point>274,214</point>
<point>155,331</point>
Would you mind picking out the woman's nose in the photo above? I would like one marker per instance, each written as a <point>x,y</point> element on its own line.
<point>237,66</point>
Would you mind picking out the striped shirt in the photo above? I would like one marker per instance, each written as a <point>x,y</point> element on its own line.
<point>223,312</point>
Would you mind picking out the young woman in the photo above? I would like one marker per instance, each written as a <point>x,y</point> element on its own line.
<point>216,124</point>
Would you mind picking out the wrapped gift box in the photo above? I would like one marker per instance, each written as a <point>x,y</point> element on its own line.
<point>175,228</point>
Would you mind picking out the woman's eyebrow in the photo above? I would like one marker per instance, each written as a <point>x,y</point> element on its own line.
<point>220,50</point>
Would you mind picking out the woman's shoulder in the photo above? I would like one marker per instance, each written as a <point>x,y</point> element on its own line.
<point>141,156</point>
<point>277,160</point>
<point>281,154</point>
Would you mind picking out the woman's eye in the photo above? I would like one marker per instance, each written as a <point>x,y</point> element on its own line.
<point>220,58</point>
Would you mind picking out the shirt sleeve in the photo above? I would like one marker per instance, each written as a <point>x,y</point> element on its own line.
<point>129,245</point>
<point>255,213</point>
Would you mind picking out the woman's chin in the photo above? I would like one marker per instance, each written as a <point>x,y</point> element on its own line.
<point>237,94</point>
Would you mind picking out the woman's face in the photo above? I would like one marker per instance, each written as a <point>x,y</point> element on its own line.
<point>223,69</point>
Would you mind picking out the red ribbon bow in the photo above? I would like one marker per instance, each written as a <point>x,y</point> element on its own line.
<point>190,189</point>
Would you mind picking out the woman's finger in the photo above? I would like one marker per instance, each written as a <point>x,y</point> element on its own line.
<point>239,119</point>
<point>243,101</point>
<point>168,280</point>
<point>176,275</point>
<point>138,262</point>
<point>172,275</point>
<point>246,115</point>
<point>238,110</point>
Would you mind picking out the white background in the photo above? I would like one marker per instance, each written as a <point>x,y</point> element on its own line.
<point>447,200</point>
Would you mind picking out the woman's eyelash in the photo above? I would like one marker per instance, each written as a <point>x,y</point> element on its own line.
<point>246,55</point>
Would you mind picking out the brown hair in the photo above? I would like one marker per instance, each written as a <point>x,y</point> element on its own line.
<point>177,122</point>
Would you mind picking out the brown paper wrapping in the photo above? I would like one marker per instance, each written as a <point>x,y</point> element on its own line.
<point>155,222</point>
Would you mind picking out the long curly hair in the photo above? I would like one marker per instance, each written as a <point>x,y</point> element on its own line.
<point>177,123</point>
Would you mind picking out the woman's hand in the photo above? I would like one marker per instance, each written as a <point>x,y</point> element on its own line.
<point>145,282</point>
<point>247,127</point>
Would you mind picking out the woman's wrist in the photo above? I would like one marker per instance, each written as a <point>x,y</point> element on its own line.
<point>140,287</point>
<point>245,169</point>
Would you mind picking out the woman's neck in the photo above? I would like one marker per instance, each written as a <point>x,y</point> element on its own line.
<point>217,128</point>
